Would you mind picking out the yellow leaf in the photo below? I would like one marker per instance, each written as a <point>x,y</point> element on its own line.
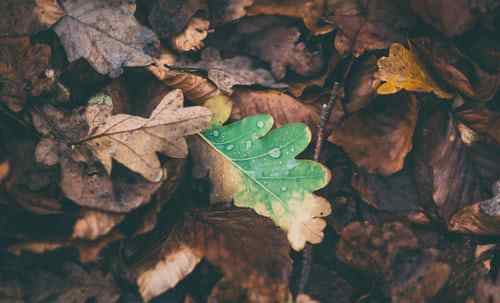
<point>401,70</point>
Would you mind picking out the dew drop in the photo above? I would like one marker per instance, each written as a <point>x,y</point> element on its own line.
<point>292,149</point>
<point>230,147</point>
<point>215,133</point>
<point>260,124</point>
<point>275,152</point>
<point>248,144</point>
<point>284,188</point>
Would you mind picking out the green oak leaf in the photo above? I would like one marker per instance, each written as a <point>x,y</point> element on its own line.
<point>266,177</point>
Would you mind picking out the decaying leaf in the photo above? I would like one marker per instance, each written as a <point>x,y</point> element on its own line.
<point>68,283</point>
<point>282,107</point>
<point>83,179</point>
<point>94,224</point>
<point>23,68</point>
<point>449,173</point>
<point>379,136</point>
<point>368,25</point>
<point>401,70</point>
<point>456,69</point>
<point>134,141</point>
<point>281,47</point>
<point>226,73</point>
<point>170,17</point>
<point>106,34</point>
<point>191,39</point>
<point>482,120</point>
<point>247,248</point>
<point>311,11</point>
<point>28,16</point>
<point>261,172</point>
<point>223,11</point>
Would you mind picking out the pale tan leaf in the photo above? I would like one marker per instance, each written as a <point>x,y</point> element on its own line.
<point>134,141</point>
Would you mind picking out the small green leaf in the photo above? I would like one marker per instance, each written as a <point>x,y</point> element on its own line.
<point>271,180</point>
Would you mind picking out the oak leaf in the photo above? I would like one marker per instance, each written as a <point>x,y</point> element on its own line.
<point>263,174</point>
<point>134,141</point>
<point>106,34</point>
<point>401,70</point>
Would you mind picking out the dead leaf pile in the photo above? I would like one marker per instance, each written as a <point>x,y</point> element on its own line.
<point>261,151</point>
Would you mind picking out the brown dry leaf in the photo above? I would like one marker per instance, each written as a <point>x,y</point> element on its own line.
<point>487,290</point>
<point>170,17</point>
<point>83,179</point>
<point>223,11</point>
<point>379,136</point>
<point>247,248</point>
<point>191,39</point>
<point>451,173</point>
<point>23,68</point>
<point>93,224</point>
<point>482,120</point>
<point>368,24</point>
<point>196,88</point>
<point>326,286</point>
<point>452,17</point>
<point>457,70</point>
<point>134,141</point>
<point>28,17</point>
<point>228,72</point>
<point>480,218</point>
<point>106,34</point>
<point>282,107</point>
<point>69,282</point>
<point>361,86</point>
<point>311,11</point>
<point>408,272</point>
<point>401,70</point>
<point>396,193</point>
<point>281,48</point>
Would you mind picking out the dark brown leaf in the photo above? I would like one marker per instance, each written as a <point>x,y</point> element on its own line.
<point>170,17</point>
<point>368,24</point>
<point>245,246</point>
<point>379,136</point>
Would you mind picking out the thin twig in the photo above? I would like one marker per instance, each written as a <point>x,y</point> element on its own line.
<point>326,111</point>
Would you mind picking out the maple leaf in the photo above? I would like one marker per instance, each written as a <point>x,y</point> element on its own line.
<point>106,34</point>
<point>263,174</point>
<point>401,70</point>
<point>134,141</point>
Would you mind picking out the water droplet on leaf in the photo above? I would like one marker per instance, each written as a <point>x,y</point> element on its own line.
<point>275,152</point>
<point>260,124</point>
<point>215,133</point>
<point>283,188</point>
<point>230,147</point>
<point>248,144</point>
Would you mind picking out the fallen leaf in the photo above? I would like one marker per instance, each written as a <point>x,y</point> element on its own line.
<point>223,11</point>
<point>486,290</point>
<point>326,286</point>
<point>449,173</point>
<point>263,174</point>
<point>451,17</point>
<point>28,17</point>
<point>361,86</point>
<point>401,70</point>
<point>170,17</point>
<point>69,283</point>
<point>368,25</point>
<point>379,136</point>
<point>22,71</point>
<point>93,224</point>
<point>482,120</point>
<point>83,179</point>
<point>106,34</point>
<point>134,141</point>
<point>457,70</point>
<point>281,47</point>
<point>191,39</point>
<point>219,236</point>
<point>396,193</point>
<point>226,73</point>
<point>282,107</point>
<point>310,11</point>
